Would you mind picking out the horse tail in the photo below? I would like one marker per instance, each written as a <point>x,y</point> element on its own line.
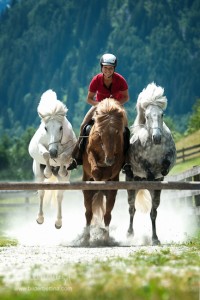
<point>98,209</point>
<point>143,202</point>
<point>50,196</point>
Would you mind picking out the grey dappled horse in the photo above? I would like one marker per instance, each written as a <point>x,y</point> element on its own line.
<point>152,153</point>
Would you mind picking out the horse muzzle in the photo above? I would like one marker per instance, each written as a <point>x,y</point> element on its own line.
<point>53,152</point>
<point>156,136</point>
<point>109,161</point>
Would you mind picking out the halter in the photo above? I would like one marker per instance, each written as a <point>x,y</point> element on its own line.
<point>63,144</point>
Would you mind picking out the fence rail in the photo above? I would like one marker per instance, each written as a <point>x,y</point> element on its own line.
<point>187,152</point>
<point>101,185</point>
<point>181,186</point>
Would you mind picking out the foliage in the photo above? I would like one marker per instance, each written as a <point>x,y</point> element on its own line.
<point>194,121</point>
<point>15,161</point>
<point>57,44</point>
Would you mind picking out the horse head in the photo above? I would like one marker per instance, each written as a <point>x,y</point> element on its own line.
<point>54,132</point>
<point>110,120</point>
<point>150,106</point>
<point>52,113</point>
<point>154,122</point>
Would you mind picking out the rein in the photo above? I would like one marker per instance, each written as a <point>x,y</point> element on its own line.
<point>63,144</point>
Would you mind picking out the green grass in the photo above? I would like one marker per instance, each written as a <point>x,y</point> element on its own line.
<point>184,166</point>
<point>159,276</point>
<point>150,273</point>
<point>7,242</point>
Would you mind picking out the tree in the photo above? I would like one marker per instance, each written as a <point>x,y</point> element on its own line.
<point>194,120</point>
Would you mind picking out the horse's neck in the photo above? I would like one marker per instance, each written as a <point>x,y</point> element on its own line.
<point>140,119</point>
<point>68,133</point>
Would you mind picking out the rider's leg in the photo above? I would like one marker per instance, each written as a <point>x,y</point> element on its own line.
<point>79,147</point>
<point>126,168</point>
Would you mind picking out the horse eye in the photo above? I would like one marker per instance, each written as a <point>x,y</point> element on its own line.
<point>45,128</point>
<point>61,128</point>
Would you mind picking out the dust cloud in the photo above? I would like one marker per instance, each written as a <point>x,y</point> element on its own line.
<point>175,223</point>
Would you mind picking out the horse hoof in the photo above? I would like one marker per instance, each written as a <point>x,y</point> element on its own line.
<point>105,234</point>
<point>40,220</point>
<point>47,175</point>
<point>155,242</point>
<point>63,174</point>
<point>129,234</point>
<point>58,226</point>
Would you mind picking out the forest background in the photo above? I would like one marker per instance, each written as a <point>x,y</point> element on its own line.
<point>57,44</point>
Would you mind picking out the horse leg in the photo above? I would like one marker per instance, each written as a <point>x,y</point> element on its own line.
<point>110,202</point>
<point>131,202</point>
<point>58,223</point>
<point>62,170</point>
<point>60,193</point>
<point>88,198</point>
<point>39,177</point>
<point>47,170</point>
<point>153,214</point>
<point>40,219</point>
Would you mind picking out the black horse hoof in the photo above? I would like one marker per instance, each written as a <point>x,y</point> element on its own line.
<point>155,242</point>
<point>130,233</point>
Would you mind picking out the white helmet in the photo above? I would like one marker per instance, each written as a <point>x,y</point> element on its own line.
<point>108,60</point>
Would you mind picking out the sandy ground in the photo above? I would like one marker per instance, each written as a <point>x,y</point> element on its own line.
<point>44,250</point>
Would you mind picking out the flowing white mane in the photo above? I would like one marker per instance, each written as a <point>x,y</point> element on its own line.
<point>153,95</point>
<point>50,107</point>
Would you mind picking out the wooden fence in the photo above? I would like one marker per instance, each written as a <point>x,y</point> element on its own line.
<point>186,184</point>
<point>184,153</point>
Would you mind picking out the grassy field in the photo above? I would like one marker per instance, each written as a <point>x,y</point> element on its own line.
<point>161,273</point>
<point>190,140</point>
<point>185,142</point>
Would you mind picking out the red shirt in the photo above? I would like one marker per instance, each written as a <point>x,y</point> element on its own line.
<point>118,85</point>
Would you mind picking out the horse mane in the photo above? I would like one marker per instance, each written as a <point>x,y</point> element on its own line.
<point>110,113</point>
<point>151,95</point>
<point>50,107</point>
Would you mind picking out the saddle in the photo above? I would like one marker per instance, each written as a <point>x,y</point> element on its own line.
<point>86,131</point>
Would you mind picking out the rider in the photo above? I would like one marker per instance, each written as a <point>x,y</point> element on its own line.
<point>107,84</point>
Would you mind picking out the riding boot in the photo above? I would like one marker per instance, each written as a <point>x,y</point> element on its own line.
<point>77,153</point>
<point>126,168</point>
<point>76,157</point>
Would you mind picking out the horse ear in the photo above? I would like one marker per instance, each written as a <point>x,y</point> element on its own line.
<point>40,115</point>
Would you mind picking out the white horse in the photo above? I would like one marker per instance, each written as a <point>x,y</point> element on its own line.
<point>51,148</point>
<point>152,152</point>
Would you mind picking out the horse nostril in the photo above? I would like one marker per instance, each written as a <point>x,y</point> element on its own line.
<point>109,161</point>
<point>157,139</point>
<point>53,153</point>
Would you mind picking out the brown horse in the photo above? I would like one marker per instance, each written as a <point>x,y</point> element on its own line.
<point>103,159</point>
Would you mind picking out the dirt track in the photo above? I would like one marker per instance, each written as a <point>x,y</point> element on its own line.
<point>44,250</point>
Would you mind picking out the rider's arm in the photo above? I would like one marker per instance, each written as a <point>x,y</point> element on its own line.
<point>90,98</point>
<point>124,96</point>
